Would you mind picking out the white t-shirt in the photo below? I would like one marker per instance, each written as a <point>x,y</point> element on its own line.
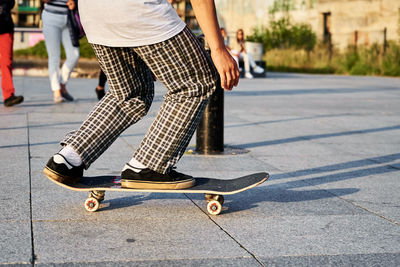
<point>129,23</point>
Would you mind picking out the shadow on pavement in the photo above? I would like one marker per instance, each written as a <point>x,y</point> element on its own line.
<point>322,91</point>
<point>285,192</point>
<point>287,120</point>
<point>316,136</point>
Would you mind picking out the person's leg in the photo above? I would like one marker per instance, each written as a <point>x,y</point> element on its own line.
<point>183,66</point>
<point>256,69</point>
<point>100,87</point>
<point>7,85</point>
<point>245,58</point>
<point>102,79</point>
<point>72,56</point>
<point>52,24</point>
<point>129,98</point>
<point>6,59</point>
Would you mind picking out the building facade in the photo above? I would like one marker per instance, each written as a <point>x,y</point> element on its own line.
<point>345,22</point>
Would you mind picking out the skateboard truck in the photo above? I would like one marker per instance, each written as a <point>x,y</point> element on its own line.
<point>214,202</point>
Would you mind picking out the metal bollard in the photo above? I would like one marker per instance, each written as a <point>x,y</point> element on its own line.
<point>210,132</point>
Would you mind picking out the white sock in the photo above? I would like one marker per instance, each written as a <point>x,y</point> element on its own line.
<point>135,165</point>
<point>71,156</point>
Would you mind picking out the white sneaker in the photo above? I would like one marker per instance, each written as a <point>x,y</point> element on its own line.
<point>248,75</point>
<point>258,70</point>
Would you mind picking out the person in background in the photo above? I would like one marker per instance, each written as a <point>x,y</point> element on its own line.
<point>226,38</point>
<point>55,30</point>
<point>6,53</point>
<point>100,87</point>
<point>238,51</point>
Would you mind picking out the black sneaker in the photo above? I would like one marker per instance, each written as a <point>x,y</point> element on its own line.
<point>60,170</point>
<point>149,179</point>
<point>13,100</point>
<point>66,95</point>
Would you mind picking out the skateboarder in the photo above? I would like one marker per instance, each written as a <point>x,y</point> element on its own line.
<point>131,39</point>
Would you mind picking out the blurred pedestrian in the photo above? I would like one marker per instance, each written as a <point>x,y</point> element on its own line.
<point>226,38</point>
<point>238,51</point>
<point>56,31</point>
<point>6,54</point>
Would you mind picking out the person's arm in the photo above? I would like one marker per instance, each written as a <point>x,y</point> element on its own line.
<point>223,61</point>
<point>243,48</point>
<point>71,4</point>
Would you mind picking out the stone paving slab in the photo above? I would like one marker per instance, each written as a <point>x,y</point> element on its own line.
<point>309,235</point>
<point>367,260</point>
<point>244,261</point>
<point>331,144</point>
<point>15,242</point>
<point>15,225</point>
<point>127,239</point>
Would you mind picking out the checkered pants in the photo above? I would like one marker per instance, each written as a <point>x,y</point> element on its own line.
<point>182,65</point>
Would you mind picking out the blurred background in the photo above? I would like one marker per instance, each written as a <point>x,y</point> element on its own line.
<point>355,37</point>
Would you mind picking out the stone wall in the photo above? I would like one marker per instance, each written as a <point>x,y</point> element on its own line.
<point>348,21</point>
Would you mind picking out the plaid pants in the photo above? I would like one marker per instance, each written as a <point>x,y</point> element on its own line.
<point>182,65</point>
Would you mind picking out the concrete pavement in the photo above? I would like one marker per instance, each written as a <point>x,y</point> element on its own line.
<point>331,144</point>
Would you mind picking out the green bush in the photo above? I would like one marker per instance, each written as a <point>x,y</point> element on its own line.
<point>351,59</point>
<point>391,60</point>
<point>363,60</point>
<point>303,37</point>
<point>39,50</point>
<point>256,36</point>
<point>282,34</point>
<point>85,49</point>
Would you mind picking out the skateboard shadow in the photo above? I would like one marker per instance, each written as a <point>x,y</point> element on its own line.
<point>269,194</point>
<point>233,203</point>
<point>294,190</point>
<point>134,199</point>
<point>122,202</point>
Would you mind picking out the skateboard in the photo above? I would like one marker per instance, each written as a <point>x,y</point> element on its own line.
<point>213,189</point>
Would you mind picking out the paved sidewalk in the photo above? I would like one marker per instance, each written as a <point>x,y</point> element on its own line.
<point>331,144</point>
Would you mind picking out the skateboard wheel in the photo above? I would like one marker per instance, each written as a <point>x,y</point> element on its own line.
<point>92,204</point>
<point>214,207</point>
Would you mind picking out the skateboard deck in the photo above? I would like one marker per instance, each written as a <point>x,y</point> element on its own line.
<point>214,189</point>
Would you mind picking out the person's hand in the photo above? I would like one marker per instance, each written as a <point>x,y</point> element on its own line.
<point>242,48</point>
<point>71,4</point>
<point>226,67</point>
